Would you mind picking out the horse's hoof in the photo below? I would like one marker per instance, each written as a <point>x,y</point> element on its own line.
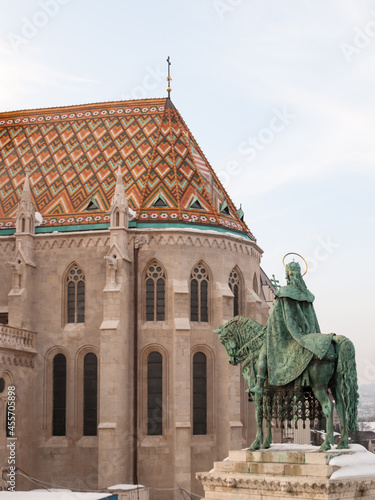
<point>342,446</point>
<point>325,447</point>
<point>254,446</point>
<point>265,446</point>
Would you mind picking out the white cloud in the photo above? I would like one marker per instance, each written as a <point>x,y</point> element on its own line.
<point>22,76</point>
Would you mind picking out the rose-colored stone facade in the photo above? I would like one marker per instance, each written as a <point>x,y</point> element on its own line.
<point>113,262</point>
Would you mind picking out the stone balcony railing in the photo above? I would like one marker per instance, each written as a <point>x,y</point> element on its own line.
<point>16,339</point>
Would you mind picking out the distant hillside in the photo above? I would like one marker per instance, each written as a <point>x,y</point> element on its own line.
<point>367,390</point>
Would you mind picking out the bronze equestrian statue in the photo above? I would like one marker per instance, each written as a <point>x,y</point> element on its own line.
<point>291,350</point>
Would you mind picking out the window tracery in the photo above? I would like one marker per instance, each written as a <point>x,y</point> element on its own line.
<point>155,292</point>
<point>199,279</point>
<point>235,286</point>
<point>75,295</point>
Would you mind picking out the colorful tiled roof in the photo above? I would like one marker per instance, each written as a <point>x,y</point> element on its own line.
<point>72,155</point>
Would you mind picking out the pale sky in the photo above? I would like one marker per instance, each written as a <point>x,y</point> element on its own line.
<point>278,93</point>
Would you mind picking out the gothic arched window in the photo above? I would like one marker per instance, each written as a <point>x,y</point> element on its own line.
<point>154,394</point>
<point>199,293</point>
<point>235,286</point>
<point>75,295</point>
<point>199,393</point>
<point>59,395</point>
<point>90,394</point>
<point>155,292</point>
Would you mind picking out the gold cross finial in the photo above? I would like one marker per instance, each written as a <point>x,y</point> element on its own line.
<point>169,88</point>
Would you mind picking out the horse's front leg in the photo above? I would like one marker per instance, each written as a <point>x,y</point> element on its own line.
<point>268,439</point>
<point>255,445</point>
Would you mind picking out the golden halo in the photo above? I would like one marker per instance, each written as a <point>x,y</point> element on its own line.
<point>294,253</point>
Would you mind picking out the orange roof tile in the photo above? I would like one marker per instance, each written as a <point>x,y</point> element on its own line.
<point>72,154</point>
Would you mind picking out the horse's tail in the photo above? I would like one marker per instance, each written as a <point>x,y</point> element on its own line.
<point>347,379</point>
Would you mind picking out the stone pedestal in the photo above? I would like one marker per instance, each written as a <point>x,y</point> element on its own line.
<point>288,472</point>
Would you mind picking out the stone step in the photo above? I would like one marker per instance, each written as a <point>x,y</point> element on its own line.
<point>290,457</point>
<point>286,472</point>
<point>275,469</point>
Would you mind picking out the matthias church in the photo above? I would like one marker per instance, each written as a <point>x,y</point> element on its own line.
<point>120,253</point>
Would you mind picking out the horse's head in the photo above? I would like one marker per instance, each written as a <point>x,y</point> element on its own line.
<point>228,340</point>
<point>240,336</point>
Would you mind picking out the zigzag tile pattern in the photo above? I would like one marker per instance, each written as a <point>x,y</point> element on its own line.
<point>72,155</point>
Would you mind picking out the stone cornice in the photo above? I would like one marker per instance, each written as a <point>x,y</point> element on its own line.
<point>160,237</point>
<point>59,240</point>
<point>288,485</point>
<point>72,240</point>
<point>200,239</point>
<point>16,359</point>
<point>8,244</point>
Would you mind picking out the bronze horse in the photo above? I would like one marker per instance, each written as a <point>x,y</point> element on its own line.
<point>243,338</point>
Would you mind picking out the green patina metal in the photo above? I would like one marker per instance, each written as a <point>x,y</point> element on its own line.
<point>292,333</point>
<point>289,365</point>
<point>132,225</point>
<point>61,229</point>
<point>275,282</point>
<point>72,228</point>
<point>174,225</point>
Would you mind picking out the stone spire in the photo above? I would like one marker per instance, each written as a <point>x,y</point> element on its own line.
<point>25,218</point>
<point>119,204</point>
<point>23,265</point>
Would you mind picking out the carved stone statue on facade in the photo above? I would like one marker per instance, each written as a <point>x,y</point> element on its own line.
<point>16,273</point>
<point>112,266</point>
<point>290,352</point>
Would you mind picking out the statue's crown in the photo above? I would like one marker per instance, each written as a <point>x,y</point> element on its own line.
<point>294,267</point>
